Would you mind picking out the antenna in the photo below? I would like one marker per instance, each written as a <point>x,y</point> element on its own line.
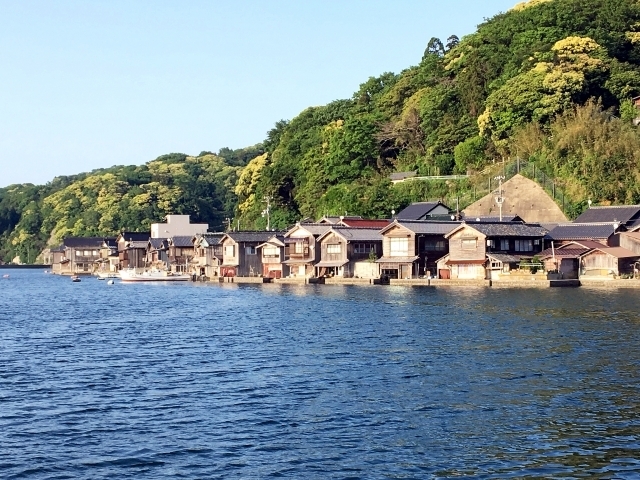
<point>499,194</point>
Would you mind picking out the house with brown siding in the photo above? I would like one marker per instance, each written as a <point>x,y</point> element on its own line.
<point>158,253</point>
<point>272,253</point>
<point>301,249</point>
<point>411,249</point>
<point>608,262</point>
<point>488,250</point>
<point>207,254</point>
<point>349,252</point>
<point>132,249</point>
<point>181,253</point>
<point>240,255</point>
<point>81,256</point>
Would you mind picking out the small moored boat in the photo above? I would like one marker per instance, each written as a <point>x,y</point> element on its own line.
<point>152,276</point>
<point>75,278</point>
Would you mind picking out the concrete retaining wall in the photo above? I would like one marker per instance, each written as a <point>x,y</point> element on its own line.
<point>348,281</point>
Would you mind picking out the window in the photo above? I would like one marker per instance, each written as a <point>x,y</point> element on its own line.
<point>333,248</point>
<point>435,245</point>
<point>364,247</point>
<point>86,253</point>
<point>504,244</point>
<point>524,245</point>
<point>229,251</point>
<point>469,243</point>
<point>250,250</point>
<point>298,247</point>
<point>270,251</point>
<point>95,253</point>
<point>398,247</point>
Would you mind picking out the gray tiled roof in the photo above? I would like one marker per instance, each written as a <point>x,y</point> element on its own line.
<point>182,241</point>
<point>259,237</point>
<point>509,229</point>
<point>358,234</point>
<point>506,258</point>
<point>416,211</point>
<point>138,244</point>
<point>429,228</point>
<point>212,238</point>
<point>136,236</point>
<point>581,231</point>
<point>609,214</point>
<point>157,243</point>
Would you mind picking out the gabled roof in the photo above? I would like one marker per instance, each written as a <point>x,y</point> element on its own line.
<point>82,242</point>
<point>574,252</point>
<point>506,258</point>
<point>210,239</point>
<point>137,244</point>
<point>610,214</point>
<point>158,243</point>
<point>110,243</point>
<point>354,234</point>
<point>314,229</point>
<point>634,235</point>
<point>183,241</point>
<point>364,223</point>
<point>277,240</point>
<point>617,252</point>
<point>581,244</point>
<point>417,211</point>
<point>581,231</point>
<point>503,229</point>
<point>134,236</point>
<point>58,249</point>
<point>424,227</point>
<point>505,218</point>
<point>249,236</point>
<point>337,219</point>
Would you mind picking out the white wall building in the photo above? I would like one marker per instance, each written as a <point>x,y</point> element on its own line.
<point>177,225</point>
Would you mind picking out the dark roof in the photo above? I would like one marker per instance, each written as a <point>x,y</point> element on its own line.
<point>58,249</point>
<point>157,243</point>
<point>428,228</point>
<point>81,242</point>
<point>137,244</point>
<point>563,252</point>
<point>506,258</point>
<point>259,237</point>
<point>581,231</point>
<point>182,241</point>
<point>356,234</point>
<point>505,218</point>
<point>419,210</point>
<point>136,236</point>
<point>314,229</point>
<point>364,223</point>
<point>110,242</point>
<point>621,213</point>
<point>503,229</point>
<point>212,238</point>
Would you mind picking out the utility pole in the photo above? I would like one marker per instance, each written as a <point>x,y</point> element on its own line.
<point>228,222</point>
<point>499,194</point>
<point>267,211</point>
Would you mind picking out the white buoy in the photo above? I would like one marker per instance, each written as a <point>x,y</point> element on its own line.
<point>110,282</point>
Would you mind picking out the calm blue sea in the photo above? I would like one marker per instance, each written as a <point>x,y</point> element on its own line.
<point>204,381</point>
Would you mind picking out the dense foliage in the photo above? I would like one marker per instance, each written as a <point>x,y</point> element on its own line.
<point>108,201</point>
<point>550,81</point>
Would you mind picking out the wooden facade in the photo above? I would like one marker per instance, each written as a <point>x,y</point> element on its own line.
<point>80,256</point>
<point>467,255</point>
<point>240,254</point>
<point>349,252</point>
<point>207,255</point>
<point>181,253</point>
<point>272,255</point>
<point>605,262</point>
<point>301,249</point>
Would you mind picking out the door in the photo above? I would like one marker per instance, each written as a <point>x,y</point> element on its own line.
<point>444,273</point>
<point>404,271</point>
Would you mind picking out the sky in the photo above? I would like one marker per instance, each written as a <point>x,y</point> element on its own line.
<point>89,84</point>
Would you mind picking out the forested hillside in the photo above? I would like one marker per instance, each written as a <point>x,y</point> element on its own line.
<point>107,201</point>
<point>550,82</point>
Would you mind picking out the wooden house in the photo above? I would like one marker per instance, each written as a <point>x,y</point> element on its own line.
<point>240,256</point>
<point>109,259</point>
<point>608,262</point>
<point>411,249</point>
<point>81,256</point>
<point>301,249</point>
<point>132,249</point>
<point>349,252</point>
<point>158,253</point>
<point>272,255</point>
<point>181,252</point>
<point>487,250</point>
<point>207,254</point>
<point>628,240</point>
<point>565,259</point>
<point>570,232</point>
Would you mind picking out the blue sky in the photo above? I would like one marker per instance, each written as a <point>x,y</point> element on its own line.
<point>95,83</point>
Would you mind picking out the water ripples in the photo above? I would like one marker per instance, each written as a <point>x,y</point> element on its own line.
<point>228,381</point>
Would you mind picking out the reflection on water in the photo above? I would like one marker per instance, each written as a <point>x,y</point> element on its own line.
<point>228,381</point>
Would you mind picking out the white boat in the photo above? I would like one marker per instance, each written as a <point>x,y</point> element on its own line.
<point>105,275</point>
<point>131,275</point>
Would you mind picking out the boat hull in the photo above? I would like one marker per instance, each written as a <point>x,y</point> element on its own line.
<point>160,276</point>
